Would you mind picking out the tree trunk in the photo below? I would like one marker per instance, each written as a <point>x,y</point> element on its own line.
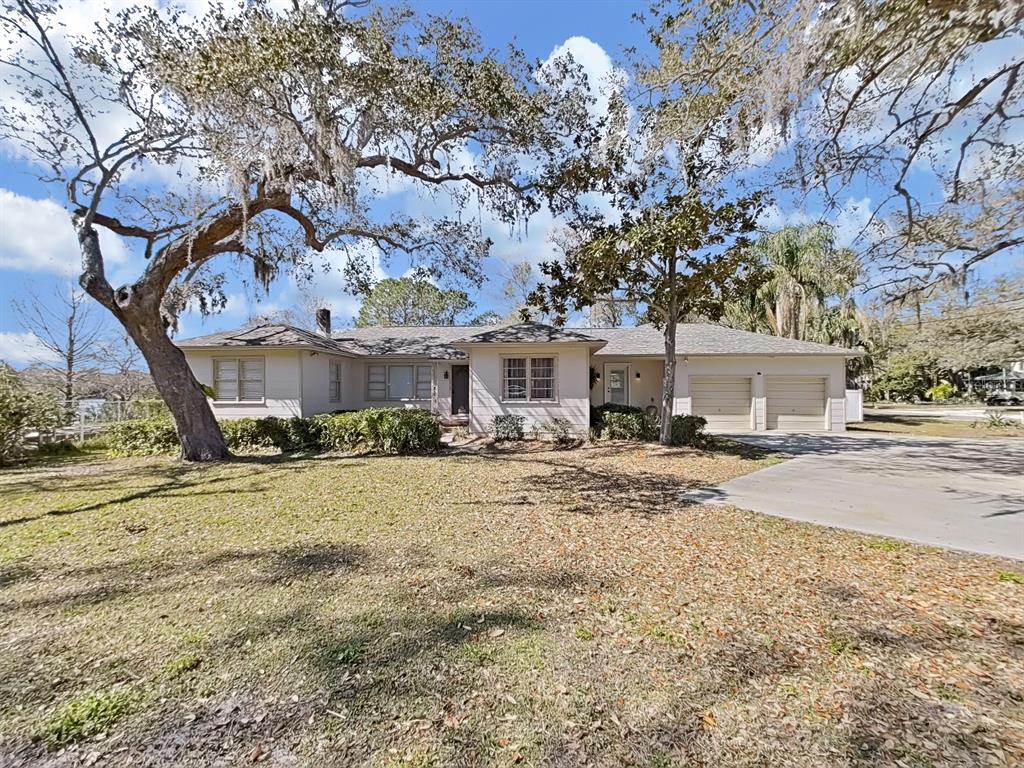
<point>668,387</point>
<point>137,308</point>
<point>198,430</point>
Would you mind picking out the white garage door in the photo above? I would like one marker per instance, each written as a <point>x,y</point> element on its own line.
<point>724,401</point>
<point>796,403</point>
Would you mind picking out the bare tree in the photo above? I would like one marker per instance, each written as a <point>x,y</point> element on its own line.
<point>119,356</point>
<point>284,126</point>
<point>67,330</point>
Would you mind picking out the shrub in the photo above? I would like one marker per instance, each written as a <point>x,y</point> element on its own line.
<point>561,431</point>
<point>689,430</point>
<point>245,434</point>
<point>387,430</point>
<point>142,437</point>
<point>337,432</point>
<point>940,392</point>
<point>635,425</point>
<point>299,433</point>
<point>21,411</point>
<point>508,427</point>
<point>597,414</point>
<point>401,430</point>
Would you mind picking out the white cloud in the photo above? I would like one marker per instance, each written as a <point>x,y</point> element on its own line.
<point>37,236</point>
<point>23,348</point>
<point>851,222</point>
<point>603,77</point>
<point>773,218</point>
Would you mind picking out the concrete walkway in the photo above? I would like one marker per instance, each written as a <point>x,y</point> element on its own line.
<point>959,493</point>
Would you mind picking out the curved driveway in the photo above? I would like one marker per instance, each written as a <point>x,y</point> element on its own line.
<point>950,492</point>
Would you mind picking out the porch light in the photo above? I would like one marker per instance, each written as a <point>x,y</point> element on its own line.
<point>446,374</point>
<point>638,374</point>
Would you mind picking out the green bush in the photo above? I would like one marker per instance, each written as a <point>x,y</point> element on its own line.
<point>689,430</point>
<point>508,427</point>
<point>20,412</point>
<point>337,431</point>
<point>245,434</point>
<point>142,437</point>
<point>633,425</point>
<point>300,433</point>
<point>940,392</point>
<point>561,431</point>
<point>385,430</point>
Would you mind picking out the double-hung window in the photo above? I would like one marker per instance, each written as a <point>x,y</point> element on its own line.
<point>399,382</point>
<point>335,381</point>
<point>238,379</point>
<point>528,379</point>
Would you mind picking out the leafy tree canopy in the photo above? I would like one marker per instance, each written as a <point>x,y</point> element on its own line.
<point>409,301</point>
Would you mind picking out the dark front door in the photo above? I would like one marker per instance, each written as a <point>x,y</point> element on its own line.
<point>460,390</point>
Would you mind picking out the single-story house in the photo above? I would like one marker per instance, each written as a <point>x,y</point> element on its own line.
<point>468,374</point>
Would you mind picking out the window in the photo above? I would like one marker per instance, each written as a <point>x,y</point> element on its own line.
<point>399,382</point>
<point>335,386</point>
<point>528,378</point>
<point>542,378</point>
<point>514,381</point>
<point>238,379</point>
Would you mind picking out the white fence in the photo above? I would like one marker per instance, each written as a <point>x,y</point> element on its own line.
<point>854,405</point>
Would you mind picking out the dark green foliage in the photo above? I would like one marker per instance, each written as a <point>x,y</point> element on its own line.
<point>384,430</point>
<point>508,427</point>
<point>631,425</point>
<point>337,431</point>
<point>597,414</point>
<point>142,437</point>
<point>689,430</point>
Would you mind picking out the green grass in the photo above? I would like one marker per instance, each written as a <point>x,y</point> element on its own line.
<point>513,607</point>
<point>86,716</point>
<point>1011,576</point>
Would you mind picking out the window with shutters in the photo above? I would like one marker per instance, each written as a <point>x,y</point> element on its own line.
<point>528,379</point>
<point>335,384</point>
<point>399,382</point>
<point>238,379</point>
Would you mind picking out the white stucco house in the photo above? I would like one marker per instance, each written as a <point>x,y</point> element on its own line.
<point>739,381</point>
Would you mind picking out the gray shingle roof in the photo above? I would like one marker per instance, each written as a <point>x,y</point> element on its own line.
<point>706,339</point>
<point>444,342</point>
<point>433,341</point>
<point>531,333</point>
<point>268,335</point>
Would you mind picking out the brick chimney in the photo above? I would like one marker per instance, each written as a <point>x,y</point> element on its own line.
<point>323,322</point>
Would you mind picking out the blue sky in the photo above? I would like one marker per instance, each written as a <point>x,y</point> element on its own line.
<point>38,250</point>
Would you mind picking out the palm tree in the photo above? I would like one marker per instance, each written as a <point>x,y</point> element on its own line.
<point>805,272</point>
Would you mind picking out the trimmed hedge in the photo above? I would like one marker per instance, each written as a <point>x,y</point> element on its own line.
<point>382,430</point>
<point>142,437</point>
<point>689,430</point>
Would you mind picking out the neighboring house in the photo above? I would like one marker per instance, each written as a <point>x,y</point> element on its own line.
<point>467,375</point>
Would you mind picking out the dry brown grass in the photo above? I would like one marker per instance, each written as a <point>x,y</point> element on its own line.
<point>530,607</point>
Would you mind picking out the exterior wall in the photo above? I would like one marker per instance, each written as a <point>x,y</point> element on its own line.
<point>572,381</point>
<point>316,382</point>
<point>833,369</point>
<point>282,382</point>
<point>643,392</point>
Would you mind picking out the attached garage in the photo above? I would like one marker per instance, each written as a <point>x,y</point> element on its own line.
<point>724,401</point>
<point>796,403</point>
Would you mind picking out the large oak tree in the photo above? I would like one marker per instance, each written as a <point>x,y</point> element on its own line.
<point>258,137</point>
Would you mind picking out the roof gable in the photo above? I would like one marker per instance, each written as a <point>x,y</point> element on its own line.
<point>267,335</point>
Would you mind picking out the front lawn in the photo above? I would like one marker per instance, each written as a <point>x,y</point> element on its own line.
<point>506,607</point>
<point>910,425</point>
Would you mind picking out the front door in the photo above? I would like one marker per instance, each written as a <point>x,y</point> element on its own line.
<point>616,387</point>
<point>460,390</point>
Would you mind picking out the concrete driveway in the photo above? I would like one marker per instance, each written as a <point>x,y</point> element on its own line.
<point>959,493</point>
